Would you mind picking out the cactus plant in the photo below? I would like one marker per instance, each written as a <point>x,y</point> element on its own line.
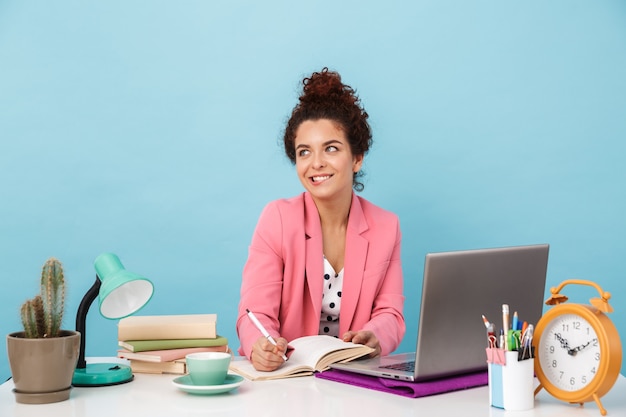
<point>42,315</point>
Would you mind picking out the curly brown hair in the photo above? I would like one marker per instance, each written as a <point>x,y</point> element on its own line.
<point>324,96</point>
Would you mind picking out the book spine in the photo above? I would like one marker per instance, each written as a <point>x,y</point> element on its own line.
<point>145,345</point>
<point>167,331</point>
<point>169,354</point>
<point>172,367</point>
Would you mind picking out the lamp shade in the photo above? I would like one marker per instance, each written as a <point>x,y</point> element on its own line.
<point>122,293</point>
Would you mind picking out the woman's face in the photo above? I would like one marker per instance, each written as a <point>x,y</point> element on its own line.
<point>324,161</point>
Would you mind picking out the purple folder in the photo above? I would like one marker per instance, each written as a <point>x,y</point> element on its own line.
<point>406,388</point>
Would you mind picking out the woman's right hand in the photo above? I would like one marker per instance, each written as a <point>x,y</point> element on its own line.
<point>267,357</point>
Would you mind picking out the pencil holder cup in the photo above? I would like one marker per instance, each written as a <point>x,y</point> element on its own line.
<point>511,381</point>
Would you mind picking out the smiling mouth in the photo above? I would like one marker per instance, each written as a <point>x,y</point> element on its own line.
<point>320,178</point>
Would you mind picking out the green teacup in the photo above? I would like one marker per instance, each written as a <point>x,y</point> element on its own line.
<point>208,368</point>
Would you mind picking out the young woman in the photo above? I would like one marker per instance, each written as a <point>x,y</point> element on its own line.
<point>326,261</point>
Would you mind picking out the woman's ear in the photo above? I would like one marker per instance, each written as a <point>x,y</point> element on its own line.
<point>357,162</point>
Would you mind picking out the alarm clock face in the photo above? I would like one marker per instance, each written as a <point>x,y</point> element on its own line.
<point>569,352</point>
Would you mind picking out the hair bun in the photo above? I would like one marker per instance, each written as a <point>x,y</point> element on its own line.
<point>325,85</point>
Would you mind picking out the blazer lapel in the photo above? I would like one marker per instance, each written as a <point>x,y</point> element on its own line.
<point>314,257</point>
<point>354,264</point>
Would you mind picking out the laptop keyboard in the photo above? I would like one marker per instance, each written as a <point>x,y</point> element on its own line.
<point>401,366</point>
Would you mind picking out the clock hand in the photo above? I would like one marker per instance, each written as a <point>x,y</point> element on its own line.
<point>574,351</point>
<point>563,342</point>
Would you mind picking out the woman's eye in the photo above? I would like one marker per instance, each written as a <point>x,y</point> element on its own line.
<point>332,149</point>
<point>303,152</point>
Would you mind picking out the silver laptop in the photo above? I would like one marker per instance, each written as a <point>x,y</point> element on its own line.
<point>458,288</point>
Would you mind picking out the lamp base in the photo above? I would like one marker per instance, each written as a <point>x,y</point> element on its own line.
<point>102,374</point>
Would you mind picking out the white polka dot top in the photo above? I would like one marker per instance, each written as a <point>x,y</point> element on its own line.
<point>331,300</point>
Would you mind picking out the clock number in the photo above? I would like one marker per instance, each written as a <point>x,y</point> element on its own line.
<point>572,381</point>
<point>576,325</point>
<point>597,356</point>
<point>551,349</point>
<point>584,379</point>
<point>554,364</point>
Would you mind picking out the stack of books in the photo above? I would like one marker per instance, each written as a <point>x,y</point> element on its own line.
<point>158,344</point>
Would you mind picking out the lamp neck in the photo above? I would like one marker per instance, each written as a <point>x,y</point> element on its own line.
<point>81,318</point>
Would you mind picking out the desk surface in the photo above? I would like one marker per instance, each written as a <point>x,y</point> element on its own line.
<point>155,395</point>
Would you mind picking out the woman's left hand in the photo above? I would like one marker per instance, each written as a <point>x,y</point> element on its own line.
<point>364,337</point>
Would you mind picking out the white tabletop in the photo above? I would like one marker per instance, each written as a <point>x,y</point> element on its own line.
<point>155,395</point>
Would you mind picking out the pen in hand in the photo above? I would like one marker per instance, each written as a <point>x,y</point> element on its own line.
<point>259,326</point>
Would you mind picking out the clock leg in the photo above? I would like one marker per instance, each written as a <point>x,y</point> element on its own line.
<point>538,389</point>
<point>597,400</point>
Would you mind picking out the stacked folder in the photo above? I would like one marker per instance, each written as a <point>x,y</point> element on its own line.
<point>159,343</point>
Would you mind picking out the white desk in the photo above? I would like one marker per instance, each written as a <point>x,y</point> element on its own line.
<point>155,395</point>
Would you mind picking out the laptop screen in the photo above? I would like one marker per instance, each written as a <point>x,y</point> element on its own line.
<point>458,288</point>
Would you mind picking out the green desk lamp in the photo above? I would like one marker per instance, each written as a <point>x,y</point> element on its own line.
<point>121,294</point>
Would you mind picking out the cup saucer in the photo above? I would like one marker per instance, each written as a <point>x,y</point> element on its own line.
<point>186,384</point>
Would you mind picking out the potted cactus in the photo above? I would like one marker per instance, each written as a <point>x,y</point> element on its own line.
<point>43,357</point>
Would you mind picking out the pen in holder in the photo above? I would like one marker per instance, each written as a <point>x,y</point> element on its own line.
<point>511,378</point>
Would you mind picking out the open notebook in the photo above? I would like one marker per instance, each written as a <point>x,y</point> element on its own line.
<point>458,288</point>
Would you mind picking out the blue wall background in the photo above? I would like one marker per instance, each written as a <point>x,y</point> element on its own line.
<point>150,129</point>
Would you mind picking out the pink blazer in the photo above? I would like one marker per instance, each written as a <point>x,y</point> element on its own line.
<point>283,276</point>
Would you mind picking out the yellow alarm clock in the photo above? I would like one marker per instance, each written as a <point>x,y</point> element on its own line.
<point>578,353</point>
